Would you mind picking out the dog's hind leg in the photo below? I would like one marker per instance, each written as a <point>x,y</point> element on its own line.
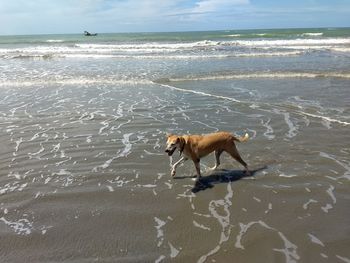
<point>235,155</point>
<point>217,159</point>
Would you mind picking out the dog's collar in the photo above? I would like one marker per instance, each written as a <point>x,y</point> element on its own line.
<point>182,145</point>
<point>182,149</point>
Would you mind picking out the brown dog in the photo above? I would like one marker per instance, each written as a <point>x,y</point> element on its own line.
<point>195,147</point>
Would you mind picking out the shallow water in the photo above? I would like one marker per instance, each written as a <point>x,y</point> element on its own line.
<point>84,177</point>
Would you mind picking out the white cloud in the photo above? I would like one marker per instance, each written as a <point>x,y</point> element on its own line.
<point>204,6</point>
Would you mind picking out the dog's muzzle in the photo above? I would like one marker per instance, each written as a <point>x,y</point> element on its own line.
<point>170,152</point>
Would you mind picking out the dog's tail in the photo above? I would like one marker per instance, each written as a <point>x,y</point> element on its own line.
<point>242,138</point>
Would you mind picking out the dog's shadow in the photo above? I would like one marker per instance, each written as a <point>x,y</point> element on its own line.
<point>221,176</point>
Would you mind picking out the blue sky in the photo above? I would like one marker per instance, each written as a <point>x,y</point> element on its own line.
<point>75,16</point>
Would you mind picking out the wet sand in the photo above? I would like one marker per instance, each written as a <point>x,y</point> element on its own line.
<point>84,177</point>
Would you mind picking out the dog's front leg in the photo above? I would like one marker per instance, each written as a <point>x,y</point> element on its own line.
<point>173,168</point>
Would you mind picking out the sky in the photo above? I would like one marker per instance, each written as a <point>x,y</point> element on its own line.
<point>109,16</point>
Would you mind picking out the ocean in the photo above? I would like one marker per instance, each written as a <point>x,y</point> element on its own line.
<point>83,123</point>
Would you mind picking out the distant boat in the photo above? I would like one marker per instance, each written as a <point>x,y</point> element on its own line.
<point>88,34</point>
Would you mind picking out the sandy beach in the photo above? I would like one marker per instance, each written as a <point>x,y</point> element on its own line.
<point>84,176</point>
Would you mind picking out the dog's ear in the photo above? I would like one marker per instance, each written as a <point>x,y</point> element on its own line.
<point>168,134</point>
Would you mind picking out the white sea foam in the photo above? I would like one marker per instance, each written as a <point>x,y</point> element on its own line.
<point>257,199</point>
<point>312,34</point>
<point>268,54</point>
<point>73,81</point>
<point>38,152</point>
<point>122,153</point>
<point>326,208</point>
<point>15,175</point>
<point>110,188</point>
<point>268,208</point>
<point>200,93</point>
<point>315,240</point>
<point>146,185</point>
<point>160,233</point>
<point>331,193</point>
<point>196,224</point>
<point>184,50</point>
<point>56,147</point>
<point>234,35</point>
<point>153,47</point>
<point>105,165</point>
<point>126,141</point>
<point>306,205</point>
<point>289,250</point>
<point>135,81</point>
<point>12,187</point>
<point>18,142</point>
<point>344,259</point>
<point>291,42</point>
<point>20,227</point>
<point>120,182</point>
<point>54,40</point>
<point>341,49</point>
<point>160,259</point>
<point>97,54</point>
<point>150,46</point>
<point>293,128</point>
<point>269,130</point>
<point>243,230</point>
<point>105,124</point>
<point>287,175</point>
<point>324,118</point>
<point>219,209</point>
<point>65,176</point>
<point>277,75</point>
<point>80,50</point>
<point>344,164</point>
<point>173,251</point>
<point>323,255</point>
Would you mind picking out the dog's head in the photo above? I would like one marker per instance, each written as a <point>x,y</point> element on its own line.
<point>173,142</point>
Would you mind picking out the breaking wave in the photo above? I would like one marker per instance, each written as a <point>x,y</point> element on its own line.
<point>276,75</point>
<point>179,50</point>
<point>35,81</point>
